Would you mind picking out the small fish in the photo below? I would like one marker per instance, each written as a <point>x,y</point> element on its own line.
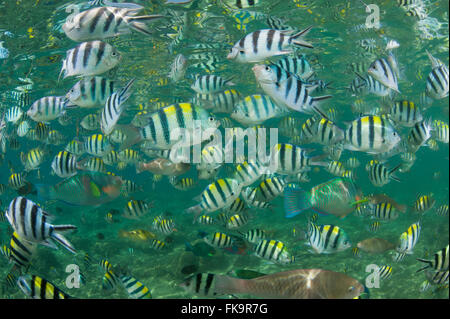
<point>91,92</point>
<point>30,222</point>
<point>90,122</point>
<point>105,22</point>
<point>219,240</point>
<point>439,261</point>
<point>262,44</point>
<point>89,59</point>
<point>384,70</point>
<point>420,133</point>
<point>405,113</point>
<point>255,109</point>
<point>110,280</point>
<point>424,203</point>
<point>380,175</point>
<point>208,84</point>
<point>64,164</point>
<point>374,227</point>
<point>273,250</point>
<point>385,272</point>
<point>157,244</point>
<point>183,184</point>
<point>47,109</point>
<point>135,209</point>
<point>375,245</point>
<point>21,251</point>
<point>409,239</point>
<point>163,225</point>
<point>356,252</point>
<point>384,211</point>
<point>326,239</point>
<point>236,221</point>
<point>13,114</point>
<point>442,210</point>
<point>97,145</point>
<point>39,288</point>
<point>135,288</point>
<point>178,68</point>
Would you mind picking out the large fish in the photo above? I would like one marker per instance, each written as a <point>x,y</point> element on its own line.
<point>292,284</point>
<point>84,189</point>
<point>337,197</point>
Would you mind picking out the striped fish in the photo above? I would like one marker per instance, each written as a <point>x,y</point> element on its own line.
<point>371,134</point>
<point>441,131</point>
<point>327,239</point>
<point>297,65</point>
<point>97,145</point>
<point>262,44</point>
<point>254,236</point>
<point>114,108</point>
<point>439,261</point>
<point>42,131</point>
<point>247,173</point>
<point>384,272</point>
<point>326,132</point>
<point>90,92</point>
<point>135,209</point>
<point>405,113</point>
<point>409,239</point>
<point>64,164</point>
<point>90,122</point>
<point>219,240</point>
<point>157,244</point>
<point>22,128</point>
<point>110,280</point>
<point>163,225</point>
<point>385,70</point>
<point>75,147</point>
<point>274,250</point>
<point>178,68</point>
<point>291,159</point>
<point>39,288</point>
<point>209,84</point>
<point>424,203</point>
<point>90,58</point>
<point>222,102</point>
<point>94,164</point>
<point>236,221</point>
<point>205,220</point>
<point>47,109</point>
<point>33,159</point>
<point>437,80</point>
<point>13,114</point>
<point>105,22</point>
<point>241,4</point>
<point>374,227</point>
<point>291,93</point>
<point>336,168</point>
<point>256,109</point>
<point>419,135</point>
<point>442,210</point>
<point>380,175</point>
<point>31,223</point>
<point>217,195</point>
<point>135,288</point>
<point>237,207</point>
<point>384,211</point>
<point>438,277</point>
<point>17,180</point>
<point>269,189</point>
<point>171,119</point>
<point>21,251</point>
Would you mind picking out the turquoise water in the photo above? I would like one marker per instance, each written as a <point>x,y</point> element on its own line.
<point>31,33</point>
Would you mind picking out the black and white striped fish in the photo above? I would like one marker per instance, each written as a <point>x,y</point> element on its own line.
<point>256,109</point>
<point>207,84</point>
<point>47,109</point>
<point>290,93</point>
<point>64,164</point>
<point>405,113</point>
<point>262,44</point>
<point>439,261</point>
<point>31,223</point>
<point>254,235</point>
<point>274,250</point>
<point>105,22</point>
<point>114,108</point>
<point>90,58</point>
<point>21,251</point>
<point>178,68</point>
<point>92,91</point>
<point>380,175</point>
<point>385,70</point>
<point>437,80</point>
<point>297,65</point>
<point>419,135</point>
<point>13,114</point>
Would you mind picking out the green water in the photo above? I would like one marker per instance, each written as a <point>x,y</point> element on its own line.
<point>37,46</point>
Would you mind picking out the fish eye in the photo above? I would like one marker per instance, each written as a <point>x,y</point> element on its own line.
<point>211,119</point>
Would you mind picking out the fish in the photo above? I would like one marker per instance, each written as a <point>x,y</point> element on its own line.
<point>64,164</point>
<point>17,180</point>
<point>110,280</point>
<point>290,93</point>
<point>385,70</point>
<point>384,211</point>
<point>83,189</point>
<point>337,197</point>
<point>39,288</point>
<point>114,108</point>
<point>236,221</point>
<point>163,125</point>
<point>291,159</point>
<point>419,134</point>
<point>291,284</point>
<point>371,134</point>
<point>135,288</point>
<point>106,22</point>
<point>157,244</point>
<point>255,109</point>
<point>90,59</point>
<point>439,261</point>
<point>97,145</point>
<point>262,44</point>
<point>135,209</point>
<point>217,195</point>
<point>442,210</point>
<point>405,113</point>
<point>254,236</point>
<point>297,65</point>
<point>31,223</point>
<point>163,225</point>
<point>437,80</point>
<point>47,109</point>
<point>209,84</point>
<point>273,250</point>
<point>183,184</point>
<point>441,131</point>
<point>424,203</point>
<point>178,68</point>
<point>200,249</point>
<point>90,122</point>
<point>33,158</point>
<point>375,245</point>
<point>385,272</point>
<point>91,92</point>
<point>409,239</point>
<point>380,175</point>
<point>219,240</point>
<point>13,114</point>
<point>137,234</point>
<point>247,173</point>
<point>327,239</point>
<point>21,252</point>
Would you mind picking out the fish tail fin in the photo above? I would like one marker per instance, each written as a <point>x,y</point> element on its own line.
<point>393,177</point>
<point>315,105</point>
<point>427,262</point>
<point>297,41</point>
<point>61,239</point>
<point>125,92</point>
<point>296,200</point>
<point>63,69</point>
<point>138,23</point>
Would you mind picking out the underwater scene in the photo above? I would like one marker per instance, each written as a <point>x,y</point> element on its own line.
<point>178,149</point>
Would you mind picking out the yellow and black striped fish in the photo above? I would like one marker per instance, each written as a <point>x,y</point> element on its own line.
<point>135,288</point>
<point>424,203</point>
<point>274,250</point>
<point>219,240</point>
<point>39,288</point>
